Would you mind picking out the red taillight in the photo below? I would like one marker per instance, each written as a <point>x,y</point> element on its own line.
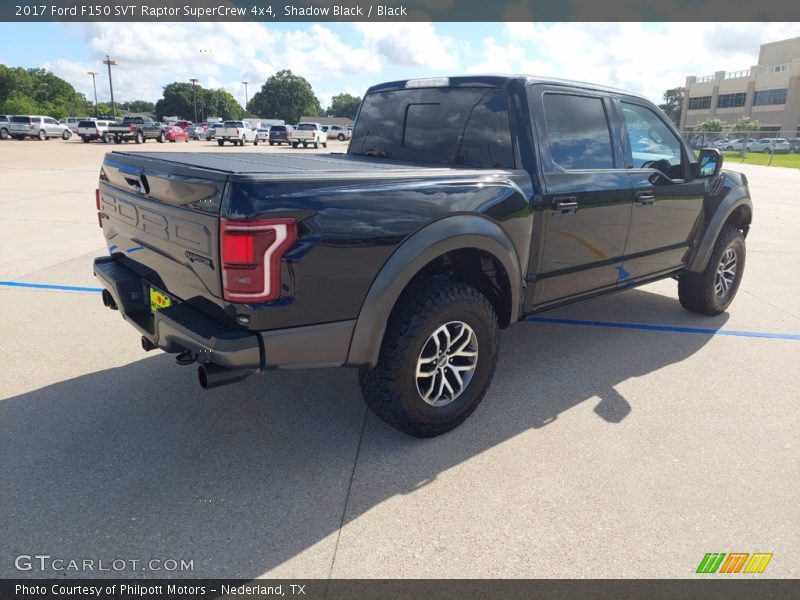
<point>251,258</point>
<point>132,128</point>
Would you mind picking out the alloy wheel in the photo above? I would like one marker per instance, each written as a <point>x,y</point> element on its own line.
<point>447,363</point>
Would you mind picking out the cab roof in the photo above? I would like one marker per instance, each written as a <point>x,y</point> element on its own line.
<point>500,81</point>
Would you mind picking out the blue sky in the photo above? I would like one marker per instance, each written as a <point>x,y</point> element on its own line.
<point>349,57</point>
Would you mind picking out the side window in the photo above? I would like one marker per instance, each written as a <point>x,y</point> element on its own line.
<point>51,121</point>
<point>652,143</point>
<point>577,132</point>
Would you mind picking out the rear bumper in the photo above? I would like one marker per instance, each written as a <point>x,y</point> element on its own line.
<point>179,327</point>
<point>183,326</point>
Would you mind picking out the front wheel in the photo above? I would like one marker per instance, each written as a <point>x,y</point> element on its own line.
<point>139,137</point>
<point>160,138</point>
<point>66,135</point>
<point>437,359</point>
<point>3,133</point>
<point>712,291</point>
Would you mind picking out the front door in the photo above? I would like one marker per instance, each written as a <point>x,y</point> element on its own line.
<point>587,200</point>
<point>668,203</point>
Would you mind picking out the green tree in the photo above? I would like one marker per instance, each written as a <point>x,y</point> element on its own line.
<point>35,91</point>
<point>220,103</point>
<point>138,106</point>
<point>177,101</point>
<point>343,105</point>
<point>745,124</point>
<point>711,125</point>
<point>673,104</point>
<point>285,96</point>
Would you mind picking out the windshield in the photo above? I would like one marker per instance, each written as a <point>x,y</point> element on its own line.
<point>455,126</point>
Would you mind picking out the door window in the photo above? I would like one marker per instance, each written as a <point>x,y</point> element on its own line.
<point>652,143</point>
<point>577,132</point>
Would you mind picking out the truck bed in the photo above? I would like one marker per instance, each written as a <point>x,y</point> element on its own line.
<point>262,165</point>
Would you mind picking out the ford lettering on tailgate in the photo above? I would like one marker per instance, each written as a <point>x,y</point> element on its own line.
<point>158,224</point>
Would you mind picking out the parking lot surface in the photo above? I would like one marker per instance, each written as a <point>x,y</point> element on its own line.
<point>604,448</point>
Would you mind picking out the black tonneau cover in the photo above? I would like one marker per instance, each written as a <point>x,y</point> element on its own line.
<point>285,165</point>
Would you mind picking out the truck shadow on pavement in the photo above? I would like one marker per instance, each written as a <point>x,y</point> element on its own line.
<point>139,463</point>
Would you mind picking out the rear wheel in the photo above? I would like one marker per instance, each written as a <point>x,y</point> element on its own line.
<point>272,143</point>
<point>42,135</point>
<point>340,137</point>
<point>106,138</point>
<point>117,139</point>
<point>712,291</point>
<point>220,142</point>
<point>295,144</point>
<point>437,359</point>
<point>160,138</point>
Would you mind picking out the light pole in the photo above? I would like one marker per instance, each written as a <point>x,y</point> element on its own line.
<point>245,94</point>
<point>94,85</point>
<point>194,99</point>
<point>110,62</point>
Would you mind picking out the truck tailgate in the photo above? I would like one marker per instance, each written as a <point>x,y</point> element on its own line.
<point>165,216</point>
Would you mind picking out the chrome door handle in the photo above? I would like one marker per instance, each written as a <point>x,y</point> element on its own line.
<point>565,206</point>
<point>645,198</point>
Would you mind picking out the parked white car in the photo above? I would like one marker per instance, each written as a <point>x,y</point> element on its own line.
<point>770,145</point>
<point>307,134</point>
<point>94,130</point>
<point>37,126</point>
<point>237,132</point>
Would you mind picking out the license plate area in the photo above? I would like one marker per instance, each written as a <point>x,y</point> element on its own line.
<point>158,299</point>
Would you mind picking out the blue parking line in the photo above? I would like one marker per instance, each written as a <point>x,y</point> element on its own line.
<point>47,286</point>
<point>670,328</point>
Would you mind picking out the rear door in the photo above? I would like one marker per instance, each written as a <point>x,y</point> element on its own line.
<point>165,217</point>
<point>667,203</point>
<point>587,200</point>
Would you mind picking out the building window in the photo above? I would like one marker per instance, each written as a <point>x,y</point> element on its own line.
<point>730,100</point>
<point>769,97</point>
<point>700,102</point>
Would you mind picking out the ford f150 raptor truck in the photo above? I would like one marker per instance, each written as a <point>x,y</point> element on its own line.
<point>463,205</point>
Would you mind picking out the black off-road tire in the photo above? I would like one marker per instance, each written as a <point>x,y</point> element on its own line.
<point>390,389</point>
<point>696,291</point>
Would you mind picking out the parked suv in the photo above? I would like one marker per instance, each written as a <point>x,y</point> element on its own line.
<point>40,127</point>
<point>94,130</point>
<point>5,125</point>
<point>770,146</point>
<point>462,206</point>
<point>279,134</point>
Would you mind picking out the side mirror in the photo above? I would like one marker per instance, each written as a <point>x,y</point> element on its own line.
<point>709,163</point>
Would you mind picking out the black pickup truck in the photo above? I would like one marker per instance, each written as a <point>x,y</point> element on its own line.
<point>463,205</point>
<point>137,129</point>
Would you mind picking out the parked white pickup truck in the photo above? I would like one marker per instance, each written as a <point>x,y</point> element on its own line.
<point>308,133</point>
<point>91,129</point>
<point>237,132</point>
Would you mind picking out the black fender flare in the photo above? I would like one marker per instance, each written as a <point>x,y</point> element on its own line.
<point>430,242</point>
<point>735,198</point>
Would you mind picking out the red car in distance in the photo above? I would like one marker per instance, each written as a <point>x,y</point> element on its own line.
<point>183,124</point>
<point>175,133</point>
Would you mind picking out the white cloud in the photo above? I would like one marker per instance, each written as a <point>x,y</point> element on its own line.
<point>640,57</point>
<point>409,44</point>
